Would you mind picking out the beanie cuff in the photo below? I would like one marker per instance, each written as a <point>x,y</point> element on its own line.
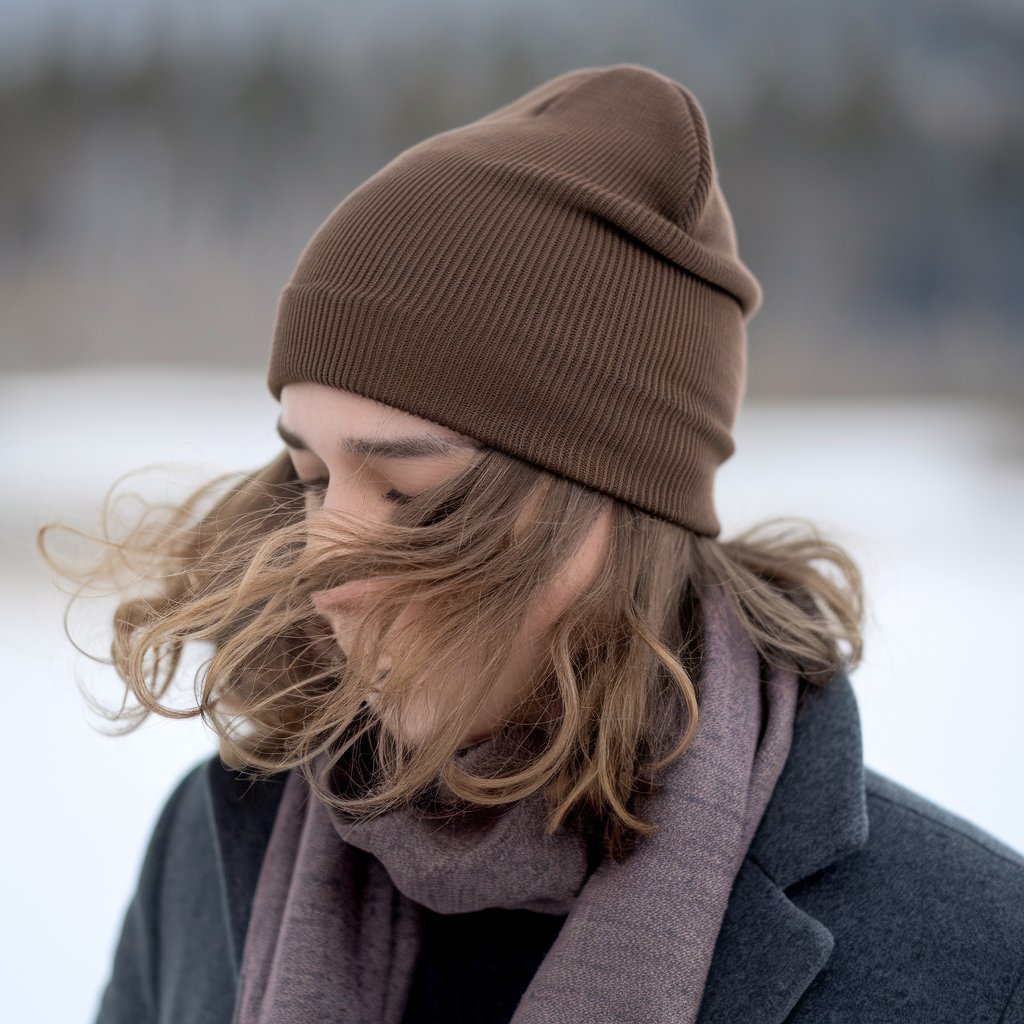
<point>595,432</point>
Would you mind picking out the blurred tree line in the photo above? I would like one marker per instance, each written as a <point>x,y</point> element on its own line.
<point>152,204</point>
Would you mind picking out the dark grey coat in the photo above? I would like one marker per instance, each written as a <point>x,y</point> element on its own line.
<point>858,900</point>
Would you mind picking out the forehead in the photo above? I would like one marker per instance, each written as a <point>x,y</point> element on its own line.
<point>308,409</point>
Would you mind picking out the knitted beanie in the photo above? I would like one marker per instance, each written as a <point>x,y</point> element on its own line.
<point>558,279</point>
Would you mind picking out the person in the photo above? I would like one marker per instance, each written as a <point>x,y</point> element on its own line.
<point>508,731</point>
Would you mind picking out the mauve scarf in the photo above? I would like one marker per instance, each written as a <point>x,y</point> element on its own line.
<point>334,932</point>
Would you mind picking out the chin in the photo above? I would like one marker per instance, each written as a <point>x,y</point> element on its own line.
<point>415,727</point>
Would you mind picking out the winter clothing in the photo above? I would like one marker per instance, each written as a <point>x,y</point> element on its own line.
<point>336,927</point>
<point>558,279</point>
<point>858,900</point>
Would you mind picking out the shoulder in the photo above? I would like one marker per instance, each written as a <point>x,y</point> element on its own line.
<point>899,813</point>
<point>172,918</point>
<point>177,957</point>
<point>930,910</point>
<point>941,869</point>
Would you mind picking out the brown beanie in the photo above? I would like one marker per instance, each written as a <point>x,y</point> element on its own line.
<point>558,279</point>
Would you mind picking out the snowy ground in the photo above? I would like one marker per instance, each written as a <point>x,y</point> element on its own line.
<point>928,496</point>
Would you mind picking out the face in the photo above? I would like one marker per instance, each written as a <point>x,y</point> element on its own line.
<point>350,443</point>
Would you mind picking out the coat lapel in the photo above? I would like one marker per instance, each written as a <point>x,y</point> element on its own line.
<point>769,950</point>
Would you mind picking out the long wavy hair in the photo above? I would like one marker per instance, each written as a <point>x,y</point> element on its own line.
<point>234,565</point>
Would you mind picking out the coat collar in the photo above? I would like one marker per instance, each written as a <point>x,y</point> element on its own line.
<point>242,813</point>
<point>768,950</point>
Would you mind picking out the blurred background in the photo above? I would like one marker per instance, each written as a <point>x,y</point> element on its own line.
<point>165,163</point>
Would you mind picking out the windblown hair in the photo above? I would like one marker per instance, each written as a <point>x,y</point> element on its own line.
<point>235,563</point>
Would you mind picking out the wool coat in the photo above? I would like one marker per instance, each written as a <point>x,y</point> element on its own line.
<point>858,901</point>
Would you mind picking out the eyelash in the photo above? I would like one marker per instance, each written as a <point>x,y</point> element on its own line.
<point>318,486</point>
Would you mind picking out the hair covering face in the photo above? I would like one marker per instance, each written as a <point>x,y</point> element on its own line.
<point>336,927</point>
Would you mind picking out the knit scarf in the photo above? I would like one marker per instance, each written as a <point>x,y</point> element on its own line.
<point>335,928</point>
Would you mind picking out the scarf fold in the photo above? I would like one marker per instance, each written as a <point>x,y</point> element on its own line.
<point>335,926</point>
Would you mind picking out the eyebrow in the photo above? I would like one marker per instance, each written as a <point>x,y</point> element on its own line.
<point>413,447</point>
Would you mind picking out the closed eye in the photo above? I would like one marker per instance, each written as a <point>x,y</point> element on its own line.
<point>318,486</point>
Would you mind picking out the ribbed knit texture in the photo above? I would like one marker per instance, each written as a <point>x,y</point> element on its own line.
<point>558,279</point>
